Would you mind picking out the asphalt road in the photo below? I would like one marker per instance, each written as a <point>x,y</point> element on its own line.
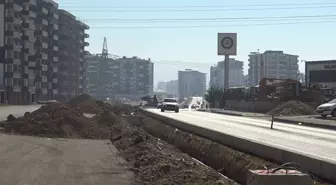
<point>313,142</point>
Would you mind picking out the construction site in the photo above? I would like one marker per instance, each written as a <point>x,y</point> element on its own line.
<point>155,152</point>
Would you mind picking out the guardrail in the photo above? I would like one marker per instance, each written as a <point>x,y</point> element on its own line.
<point>322,168</point>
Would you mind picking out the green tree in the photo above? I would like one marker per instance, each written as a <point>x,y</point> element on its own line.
<point>216,97</point>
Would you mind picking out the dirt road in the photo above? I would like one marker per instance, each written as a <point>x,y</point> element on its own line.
<point>39,161</point>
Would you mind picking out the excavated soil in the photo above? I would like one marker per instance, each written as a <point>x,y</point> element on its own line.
<point>228,161</point>
<point>292,108</point>
<point>56,121</point>
<point>156,162</point>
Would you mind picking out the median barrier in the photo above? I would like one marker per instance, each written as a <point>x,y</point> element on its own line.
<point>324,169</point>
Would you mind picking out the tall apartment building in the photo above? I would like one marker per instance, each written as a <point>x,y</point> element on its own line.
<point>236,75</point>
<point>191,83</point>
<point>71,64</point>
<point>27,49</point>
<point>92,74</point>
<point>272,64</point>
<point>172,87</point>
<point>123,78</point>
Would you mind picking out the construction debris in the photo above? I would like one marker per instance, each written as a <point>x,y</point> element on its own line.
<point>292,108</point>
<point>56,120</point>
<point>87,104</point>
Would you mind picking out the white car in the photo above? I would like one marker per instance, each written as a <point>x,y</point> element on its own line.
<point>327,109</point>
<point>170,104</point>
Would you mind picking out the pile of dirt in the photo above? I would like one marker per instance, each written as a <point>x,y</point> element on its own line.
<point>292,108</point>
<point>56,120</point>
<point>87,104</point>
<point>155,161</point>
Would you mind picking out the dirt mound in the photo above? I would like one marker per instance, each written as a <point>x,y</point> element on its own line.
<point>87,104</point>
<point>292,108</point>
<point>57,120</point>
<point>156,162</point>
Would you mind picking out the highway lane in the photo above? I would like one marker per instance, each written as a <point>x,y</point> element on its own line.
<point>313,142</point>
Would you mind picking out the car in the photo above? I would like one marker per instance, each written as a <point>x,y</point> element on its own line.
<point>170,104</point>
<point>327,109</point>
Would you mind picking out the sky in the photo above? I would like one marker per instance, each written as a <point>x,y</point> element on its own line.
<point>178,44</point>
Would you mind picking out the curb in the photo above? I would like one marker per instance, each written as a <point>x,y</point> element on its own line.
<point>330,127</point>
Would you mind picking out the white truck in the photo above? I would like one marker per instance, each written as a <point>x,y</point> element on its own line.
<point>327,109</point>
<point>170,104</point>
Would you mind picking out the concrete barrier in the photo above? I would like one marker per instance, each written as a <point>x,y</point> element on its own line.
<point>325,170</point>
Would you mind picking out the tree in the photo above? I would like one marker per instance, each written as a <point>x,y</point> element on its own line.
<point>216,97</point>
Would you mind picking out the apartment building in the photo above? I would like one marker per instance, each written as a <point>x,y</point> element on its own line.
<point>71,63</point>
<point>191,83</point>
<point>26,50</point>
<point>124,77</point>
<point>272,64</point>
<point>132,77</point>
<point>236,75</point>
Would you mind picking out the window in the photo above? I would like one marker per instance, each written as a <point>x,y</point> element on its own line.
<point>9,27</point>
<point>16,82</point>
<point>16,55</point>
<point>9,82</point>
<point>16,68</point>
<point>25,69</point>
<point>31,82</point>
<point>9,54</point>
<point>9,68</point>
<point>9,40</point>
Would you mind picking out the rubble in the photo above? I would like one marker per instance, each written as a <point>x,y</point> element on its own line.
<point>56,120</point>
<point>292,108</point>
<point>87,104</point>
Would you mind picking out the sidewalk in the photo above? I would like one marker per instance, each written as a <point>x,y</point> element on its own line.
<point>311,120</point>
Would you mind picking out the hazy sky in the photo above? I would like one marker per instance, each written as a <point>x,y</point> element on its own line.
<point>181,47</point>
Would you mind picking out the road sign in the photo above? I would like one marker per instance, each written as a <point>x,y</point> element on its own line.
<point>227,43</point>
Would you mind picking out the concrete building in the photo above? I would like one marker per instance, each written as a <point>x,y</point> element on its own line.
<point>191,83</point>
<point>272,64</point>
<point>322,72</point>
<point>71,62</point>
<point>27,49</point>
<point>172,88</point>
<point>161,86</point>
<point>92,74</point>
<point>236,76</point>
<point>122,78</point>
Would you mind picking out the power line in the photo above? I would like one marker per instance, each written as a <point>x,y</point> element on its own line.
<point>212,26</point>
<point>212,18</point>
<point>196,6</point>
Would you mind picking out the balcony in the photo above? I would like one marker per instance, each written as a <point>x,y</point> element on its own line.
<point>44,56</point>
<point>44,45</point>
<point>44,10</point>
<point>16,88</point>
<point>55,59</point>
<point>55,70</point>
<point>31,64</point>
<point>55,80</point>
<point>45,22</point>
<point>55,37</point>
<point>44,91</point>
<point>55,26</point>
<point>56,16</point>
<point>86,35</point>
<point>55,91</point>
<point>55,48</point>
<point>44,79</point>
<point>16,75</point>
<point>44,33</point>
<point>86,44</point>
<point>31,89</point>
<point>44,68</point>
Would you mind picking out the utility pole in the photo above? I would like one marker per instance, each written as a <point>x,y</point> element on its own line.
<point>226,72</point>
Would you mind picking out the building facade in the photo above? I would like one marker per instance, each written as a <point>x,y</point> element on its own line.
<point>236,75</point>
<point>272,64</point>
<point>191,83</point>
<point>172,88</point>
<point>124,77</point>
<point>71,55</point>
<point>322,72</point>
<point>30,51</point>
